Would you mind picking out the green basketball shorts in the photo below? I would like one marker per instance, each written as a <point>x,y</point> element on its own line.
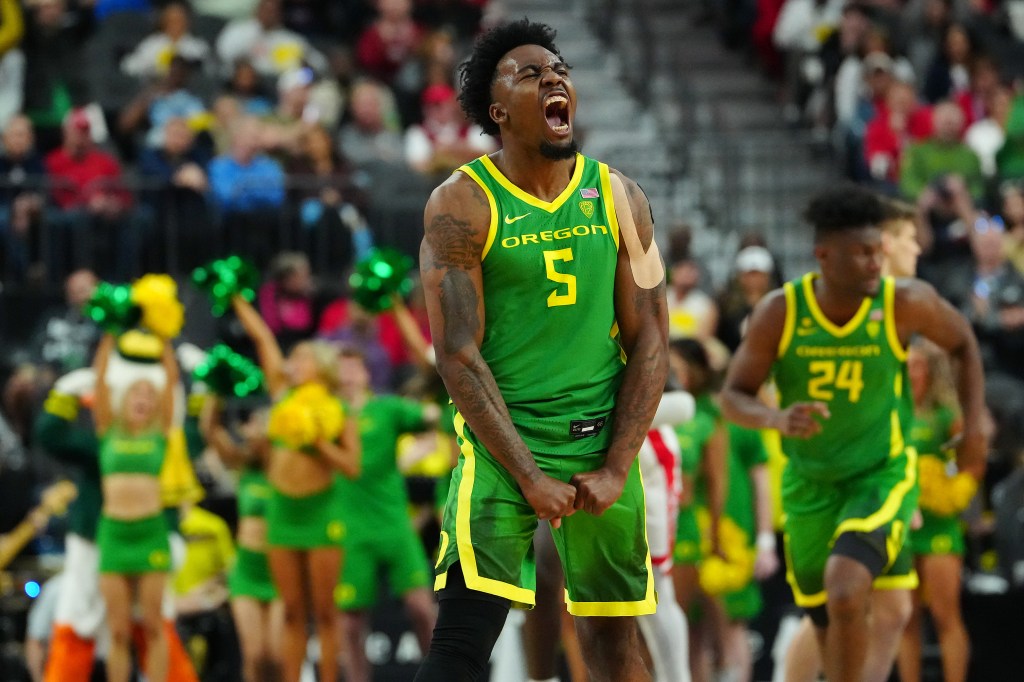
<point>134,547</point>
<point>488,527</point>
<point>816,513</point>
<point>395,551</point>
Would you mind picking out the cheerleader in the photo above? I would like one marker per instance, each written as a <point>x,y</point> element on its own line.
<point>257,611</point>
<point>311,441</point>
<point>133,533</point>
<point>938,545</point>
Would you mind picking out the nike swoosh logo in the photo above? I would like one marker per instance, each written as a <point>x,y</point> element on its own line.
<point>509,220</point>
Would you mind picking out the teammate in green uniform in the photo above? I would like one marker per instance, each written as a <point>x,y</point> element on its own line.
<point>257,611</point>
<point>835,343</point>
<point>135,554</point>
<point>938,545</point>
<point>381,537</point>
<point>890,609</point>
<point>545,292</point>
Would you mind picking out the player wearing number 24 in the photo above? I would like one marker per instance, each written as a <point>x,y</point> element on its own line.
<point>835,343</point>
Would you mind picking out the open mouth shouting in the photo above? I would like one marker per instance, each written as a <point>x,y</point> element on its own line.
<point>556,113</point>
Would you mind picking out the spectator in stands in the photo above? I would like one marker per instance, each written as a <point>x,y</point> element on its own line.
<point>1011,210</point>
<point>691,312</point>
<point>39,627</point>
<point>282,129</point>
<point>175,187</point>
<point>445,139</point>
<point>288,300</point>
<point>263,39</point>
<point>372,134</point>
<point>152,57</point>
<point>942,155</point>
<point>160,102</point>
<point>752,279</point>
<point>66,338</point>
<point>984,82</point>
<point>330,206</point>
<point>248,189</point>
<point>995,304</point>
<point>924,24</point>
<point>878,70</point>
<point>798,34</point>
<point>902,120</point>
<point>987,135</point>
<point>1010,159</point>
<point>949,74</point>
<point>96,217</point>
<point>21,199</point>
<point>12,60</point>
<point>247,87</point>
<point>54,66</point>
<point>390,41</point>
<point>227,111</point>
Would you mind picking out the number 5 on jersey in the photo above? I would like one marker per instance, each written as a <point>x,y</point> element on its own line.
<point>826,377</point>
<point>560,296</point>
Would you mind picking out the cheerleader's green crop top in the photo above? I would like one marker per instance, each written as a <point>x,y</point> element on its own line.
<point>121,453</point>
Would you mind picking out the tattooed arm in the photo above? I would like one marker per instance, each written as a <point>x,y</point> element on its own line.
<point>641,313</point>
<point>456,222</point>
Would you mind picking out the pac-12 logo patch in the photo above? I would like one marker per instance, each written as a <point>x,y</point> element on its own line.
<point>587,207</point>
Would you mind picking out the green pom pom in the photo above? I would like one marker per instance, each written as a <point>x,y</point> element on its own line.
<point>377,277</point>
<point>112,309</point>
<point>224,278</point>
<point>229,374</point>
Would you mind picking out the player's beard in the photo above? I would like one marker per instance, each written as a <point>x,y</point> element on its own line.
<point>559,152</point>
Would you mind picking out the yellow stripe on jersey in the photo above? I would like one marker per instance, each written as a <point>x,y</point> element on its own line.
<point>549,206</point>
<point>492,230</point>
<point>822,320</point>
<point>790,324</point>
<point>609,201</point>
<point>890,507</point>
<point>889,306</point>
<point>463,538</point>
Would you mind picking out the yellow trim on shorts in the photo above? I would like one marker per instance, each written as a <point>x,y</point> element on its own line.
<point>806,601</point>
<point>518,193</point>
<point>644,607</point>
<point>889,306</point>
<point>822,320</point>
<point>896,582</point>
<point>609,202</point>
<point>790,324</point>
<point>474,581</point>
<point>892,503</point>
<point>442,580</point>
<point>492,229</point>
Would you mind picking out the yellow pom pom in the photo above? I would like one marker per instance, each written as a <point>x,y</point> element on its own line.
<point>162,312</point>
<point>962,489</point>
<point>718,576</point>
<point>291,424</point>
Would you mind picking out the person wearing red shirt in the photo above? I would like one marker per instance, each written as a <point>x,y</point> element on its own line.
<point>390,41</point>
<point>899,121</point>
<point>94,215</point>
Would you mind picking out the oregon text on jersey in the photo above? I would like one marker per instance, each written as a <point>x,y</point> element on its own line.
<point>553,235</point>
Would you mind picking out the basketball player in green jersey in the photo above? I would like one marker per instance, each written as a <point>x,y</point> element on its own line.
<point>546,297</point>
<point>835,344</point>
<point>890,609</point>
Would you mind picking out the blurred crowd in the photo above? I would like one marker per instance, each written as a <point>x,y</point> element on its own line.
<point>143,136</point>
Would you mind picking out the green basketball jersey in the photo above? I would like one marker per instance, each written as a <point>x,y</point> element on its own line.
<point>857,369</point>
<point>550,336</point>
